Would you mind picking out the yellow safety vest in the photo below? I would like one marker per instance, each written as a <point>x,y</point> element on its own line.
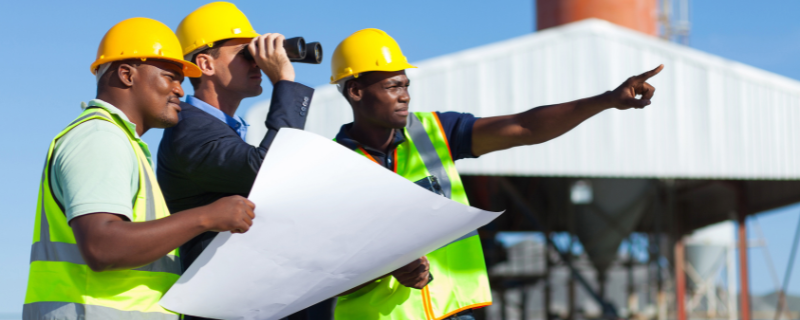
<point>62,286</point>
<point>459,270</point>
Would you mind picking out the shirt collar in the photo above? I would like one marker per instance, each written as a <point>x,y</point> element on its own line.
<point>344,138</point>
<point>128,124</point>
<point>114,111</point>
<point>237,124</point>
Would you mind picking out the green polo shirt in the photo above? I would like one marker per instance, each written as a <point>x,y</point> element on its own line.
<point>94,167</point>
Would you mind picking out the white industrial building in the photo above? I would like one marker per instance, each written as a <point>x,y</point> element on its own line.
<point>710,118</point>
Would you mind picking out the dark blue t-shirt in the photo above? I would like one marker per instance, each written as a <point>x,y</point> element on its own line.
<point>457,127</point>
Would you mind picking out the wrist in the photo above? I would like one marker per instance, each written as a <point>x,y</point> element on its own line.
<point>203,222</point>
<point>282,78</point>
<point>604,100</point>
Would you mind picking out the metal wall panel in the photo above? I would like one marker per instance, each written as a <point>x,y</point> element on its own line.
<point>710,118</point>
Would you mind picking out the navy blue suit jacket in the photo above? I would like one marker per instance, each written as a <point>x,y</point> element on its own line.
<point>202,159</point>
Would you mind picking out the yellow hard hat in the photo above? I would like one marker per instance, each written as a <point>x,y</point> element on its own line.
<point>367,50</point>
<point>211,23</point>
<point>142,38</point>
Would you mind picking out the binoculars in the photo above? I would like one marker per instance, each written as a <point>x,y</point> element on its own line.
<point>298,51</point>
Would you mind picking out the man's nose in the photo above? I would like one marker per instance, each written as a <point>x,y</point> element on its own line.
<point>405,97</point>
<point>178,90</point>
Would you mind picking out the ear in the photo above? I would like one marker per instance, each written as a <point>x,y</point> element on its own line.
<point>126,72</point>
<point>204,61</point>
<point>354,91</point>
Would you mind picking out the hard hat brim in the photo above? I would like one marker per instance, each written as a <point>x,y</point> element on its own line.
<point>194,48</point>
<point>189,69</point>
<point>396,68</point>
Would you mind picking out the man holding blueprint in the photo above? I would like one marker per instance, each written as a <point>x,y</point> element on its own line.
<point>369,69</point>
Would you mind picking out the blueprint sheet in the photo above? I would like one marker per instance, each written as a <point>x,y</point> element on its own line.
<point>327,220</point>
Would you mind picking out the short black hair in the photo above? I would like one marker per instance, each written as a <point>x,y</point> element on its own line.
<point>357,79</point>
<point>213,51</point>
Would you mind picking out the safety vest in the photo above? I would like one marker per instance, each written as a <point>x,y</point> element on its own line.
<point>459,270</point>
<point>62,286</point>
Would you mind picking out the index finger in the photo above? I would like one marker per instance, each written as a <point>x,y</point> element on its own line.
<point>270,42</point>
<point>250,213</point>
<point>279,42</point>
<point>250,203</point>
<point>263,45</point>
<point>651,73</point>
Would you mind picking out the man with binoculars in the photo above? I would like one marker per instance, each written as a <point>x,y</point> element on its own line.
<point>204,157</point>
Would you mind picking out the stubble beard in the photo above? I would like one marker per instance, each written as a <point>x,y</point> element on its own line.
<point>166,119</point>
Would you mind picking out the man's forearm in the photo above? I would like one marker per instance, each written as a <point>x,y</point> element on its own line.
<point>116,244</point>
<point>549,122</point>
<point>534,126</point>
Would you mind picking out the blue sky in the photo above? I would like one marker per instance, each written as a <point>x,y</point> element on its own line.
<point>48,46</point>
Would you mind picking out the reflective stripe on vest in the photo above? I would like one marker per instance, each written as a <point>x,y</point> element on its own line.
<point>432,160</point>
<point>67,310</point>
<point>460,278</point>
<point>62,286</point>
<point>428,152</point>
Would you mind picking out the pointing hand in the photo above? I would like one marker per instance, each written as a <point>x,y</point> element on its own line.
<point>624,96</point>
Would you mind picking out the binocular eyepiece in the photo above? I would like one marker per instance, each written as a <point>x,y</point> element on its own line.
<point>298,51</point>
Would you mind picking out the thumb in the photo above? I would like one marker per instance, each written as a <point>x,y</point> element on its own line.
<point>636,103</point>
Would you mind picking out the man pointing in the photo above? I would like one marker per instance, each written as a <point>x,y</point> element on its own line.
<point>369,69</point>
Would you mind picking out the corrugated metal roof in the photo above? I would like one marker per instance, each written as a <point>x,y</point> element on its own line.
<point>710,118</point>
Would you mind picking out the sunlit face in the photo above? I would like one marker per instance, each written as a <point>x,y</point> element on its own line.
<point>234,72</point>
<point>381,98</point>
<point>158,90</point>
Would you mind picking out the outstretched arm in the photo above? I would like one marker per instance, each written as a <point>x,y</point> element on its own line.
<point>548,122</point>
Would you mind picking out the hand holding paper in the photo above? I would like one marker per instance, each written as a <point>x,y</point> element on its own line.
<point>415,274</point>
<point>234,213</point>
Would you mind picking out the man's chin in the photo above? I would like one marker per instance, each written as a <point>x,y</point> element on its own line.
<point>169,120</point>
<point>254,92</point>
<point>398,125</point>
<point>399,122</point>
<point>167,124</point>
